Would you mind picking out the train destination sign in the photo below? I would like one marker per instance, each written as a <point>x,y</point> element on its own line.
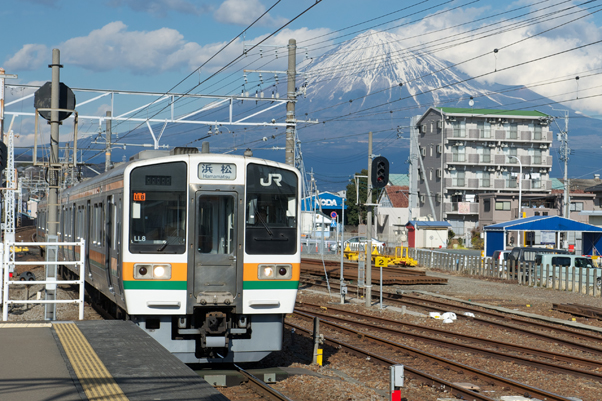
<point>217,171</point>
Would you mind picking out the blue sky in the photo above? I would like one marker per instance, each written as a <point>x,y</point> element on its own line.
<point>152,45</point>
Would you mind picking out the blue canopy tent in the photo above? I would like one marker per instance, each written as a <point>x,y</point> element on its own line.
<point>495,234</point>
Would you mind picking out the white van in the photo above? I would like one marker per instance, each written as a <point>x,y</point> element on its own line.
<point>559,266</point>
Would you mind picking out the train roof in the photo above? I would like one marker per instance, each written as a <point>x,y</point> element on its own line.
<point>151,156</point>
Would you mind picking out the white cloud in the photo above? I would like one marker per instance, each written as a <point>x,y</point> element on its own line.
<point>244,12</point>
<point>29,58</point>
<point>500,67</point>
<point>114,47</point>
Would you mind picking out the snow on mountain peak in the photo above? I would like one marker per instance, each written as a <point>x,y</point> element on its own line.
<point>374,61</point>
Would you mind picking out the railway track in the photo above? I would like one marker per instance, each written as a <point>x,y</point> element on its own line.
<point>505,321</point>
<point>261,387</point>
<point>488,347</point>
<point>418,365</point>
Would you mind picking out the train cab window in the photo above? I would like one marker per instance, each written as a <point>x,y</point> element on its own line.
<point>271,211</point>
<point>157,208</point>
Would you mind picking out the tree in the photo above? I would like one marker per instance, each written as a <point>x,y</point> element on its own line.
<point>355,213</point>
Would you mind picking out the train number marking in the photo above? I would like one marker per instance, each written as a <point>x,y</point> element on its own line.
<point>139,196</point>
<point>271,177</point>
<point>140,238</point>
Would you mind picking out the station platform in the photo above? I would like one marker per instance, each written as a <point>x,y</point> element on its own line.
<point>92,360</point>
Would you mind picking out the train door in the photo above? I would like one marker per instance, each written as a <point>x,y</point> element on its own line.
<point>109,243</point>
<point>88,236</point>
<point>216,247</point>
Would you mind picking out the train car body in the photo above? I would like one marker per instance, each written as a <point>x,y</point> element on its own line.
<point>200,250</point>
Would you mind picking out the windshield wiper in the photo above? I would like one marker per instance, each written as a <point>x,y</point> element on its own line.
<point>262,221</point>
<point>174,241</point>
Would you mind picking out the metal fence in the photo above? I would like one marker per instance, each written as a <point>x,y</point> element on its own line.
<point>587,281</point>
<point>8,265</point>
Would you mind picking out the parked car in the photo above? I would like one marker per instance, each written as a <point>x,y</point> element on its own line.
<point>561,268</point>
<point>354,242</point>
<point>527,254</point>
<point>500,257</point>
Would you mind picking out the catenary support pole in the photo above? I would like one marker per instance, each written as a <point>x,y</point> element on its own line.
<point>369,227</point>
<point>53,182</point>
<point>108,141</point>
<point>290,105</point>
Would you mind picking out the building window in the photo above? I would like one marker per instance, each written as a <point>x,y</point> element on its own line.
<point>513,129</point>
<point>459,129</point>
<point>512,152</point>
<point>486,157</point>
<point>487,205</point>
<point>485,180</point>
<point>458,153</point>
<point>537,132</point>
<point>502,205</point>
<point>537,155</point>
<point>457,178</point>
<point>576,206</point>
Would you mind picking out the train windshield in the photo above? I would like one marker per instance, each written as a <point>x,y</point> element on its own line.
<point>158,208</point>
<point>271,211</point>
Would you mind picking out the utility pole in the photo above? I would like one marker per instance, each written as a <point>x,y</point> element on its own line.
<point>565,143</point>
<point>53,185</point>
<point>369,226</point>
<point>53,172</point>
<point>290,105</point>
<point>108,142</point>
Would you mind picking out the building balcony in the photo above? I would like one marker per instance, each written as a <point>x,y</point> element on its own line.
<point>461,208</point>
<point>474,135</point>
<point>473,159</point>
<point>496,184</point>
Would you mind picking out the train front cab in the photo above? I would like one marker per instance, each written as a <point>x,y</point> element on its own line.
<point>231,267</point>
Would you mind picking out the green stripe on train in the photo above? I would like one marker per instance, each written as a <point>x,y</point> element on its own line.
<point>270,285</point>
<point>154,285</point>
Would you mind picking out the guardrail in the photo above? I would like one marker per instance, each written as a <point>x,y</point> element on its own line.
<point>8,265</point>
<point>584,280</point>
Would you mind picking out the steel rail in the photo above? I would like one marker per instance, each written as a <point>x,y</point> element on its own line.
<point>452,365</point>
<point>261,386</point>
<point>492,343</point>
<point>456,391</point>
<point>419,302</point>
<point>475,309</point>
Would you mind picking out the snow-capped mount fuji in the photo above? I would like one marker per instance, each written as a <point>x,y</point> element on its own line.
<point>376,61</point>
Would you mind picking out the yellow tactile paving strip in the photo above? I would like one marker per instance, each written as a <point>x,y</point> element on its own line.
<point>94,377</point>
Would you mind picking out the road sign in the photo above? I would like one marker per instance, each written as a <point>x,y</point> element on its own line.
<point>333,223</point>
<point>333,215</point>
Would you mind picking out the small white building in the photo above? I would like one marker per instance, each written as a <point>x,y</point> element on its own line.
<point>314,225</point>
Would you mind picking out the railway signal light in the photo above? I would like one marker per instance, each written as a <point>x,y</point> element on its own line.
<point>380,172</point>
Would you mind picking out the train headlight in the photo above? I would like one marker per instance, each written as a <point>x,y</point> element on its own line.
<point>158,271</point>
<point>152,271</point>
<point>275,272</point>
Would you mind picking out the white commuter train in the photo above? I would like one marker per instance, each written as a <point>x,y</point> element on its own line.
<point>200,250</point>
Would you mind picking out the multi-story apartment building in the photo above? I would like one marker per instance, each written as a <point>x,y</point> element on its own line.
<point>466,152</point>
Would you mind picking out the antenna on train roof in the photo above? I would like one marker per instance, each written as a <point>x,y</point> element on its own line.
<point>205,148</point>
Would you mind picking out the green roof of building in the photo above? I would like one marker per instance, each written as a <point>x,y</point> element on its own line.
<point>557,184</point>
<point>492,112</point>
<point>402,180</point>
